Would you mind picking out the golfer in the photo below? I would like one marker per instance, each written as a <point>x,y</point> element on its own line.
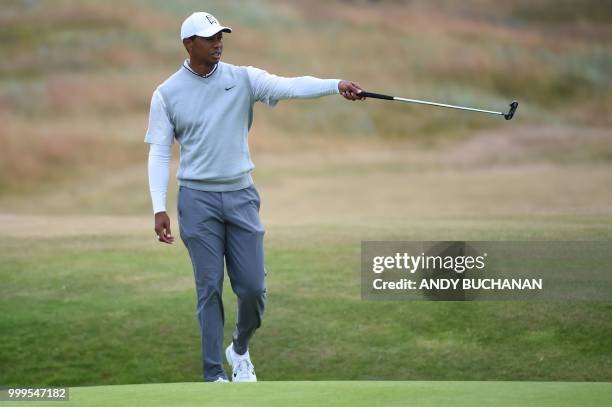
<point>207,107</point>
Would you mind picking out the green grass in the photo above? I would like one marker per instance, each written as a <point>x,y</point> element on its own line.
<point>93,310</point>
<point>331,394</point>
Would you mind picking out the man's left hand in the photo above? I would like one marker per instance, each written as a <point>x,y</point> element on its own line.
<point>350,90</point>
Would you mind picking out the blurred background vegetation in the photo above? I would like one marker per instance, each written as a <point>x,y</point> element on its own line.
<point>76,76</point>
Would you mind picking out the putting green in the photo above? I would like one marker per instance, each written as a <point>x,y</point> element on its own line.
<point>342,393</point>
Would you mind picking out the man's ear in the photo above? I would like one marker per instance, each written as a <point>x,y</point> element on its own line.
<point>187,44</point>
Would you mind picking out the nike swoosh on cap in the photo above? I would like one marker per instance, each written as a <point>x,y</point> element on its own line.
<point>229,87</point>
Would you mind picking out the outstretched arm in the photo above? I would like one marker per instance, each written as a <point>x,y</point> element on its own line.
<point>270,88</point>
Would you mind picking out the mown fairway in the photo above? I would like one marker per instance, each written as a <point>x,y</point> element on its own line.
<point>115,307</point>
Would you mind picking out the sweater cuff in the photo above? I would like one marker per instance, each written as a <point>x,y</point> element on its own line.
<point>335,83</point>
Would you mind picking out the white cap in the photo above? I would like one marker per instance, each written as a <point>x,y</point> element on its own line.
<point>201,24</point>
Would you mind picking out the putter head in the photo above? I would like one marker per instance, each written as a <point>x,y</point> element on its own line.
<point>513,107</point>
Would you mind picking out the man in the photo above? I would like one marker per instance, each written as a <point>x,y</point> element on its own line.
<point>207,107</point>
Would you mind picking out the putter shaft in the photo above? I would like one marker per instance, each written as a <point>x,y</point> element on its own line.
<point>424,102</point>
<point>507,116</point>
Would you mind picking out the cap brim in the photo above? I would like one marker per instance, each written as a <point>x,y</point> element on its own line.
<point>210,33</point>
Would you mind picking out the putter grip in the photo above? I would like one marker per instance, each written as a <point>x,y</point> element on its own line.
<point>375,95</point>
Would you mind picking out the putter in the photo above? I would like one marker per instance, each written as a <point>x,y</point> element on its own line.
<point>507,116</point>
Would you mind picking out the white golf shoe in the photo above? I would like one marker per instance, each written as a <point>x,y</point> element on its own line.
<point>243,370</point>
<point>221,380</point>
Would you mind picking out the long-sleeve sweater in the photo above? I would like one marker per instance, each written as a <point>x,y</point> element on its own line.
<point>209,116</point>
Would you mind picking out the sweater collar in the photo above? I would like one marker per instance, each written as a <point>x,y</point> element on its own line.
<point>186,65</point>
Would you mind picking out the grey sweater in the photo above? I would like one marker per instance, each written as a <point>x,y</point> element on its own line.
<point>209,117</point>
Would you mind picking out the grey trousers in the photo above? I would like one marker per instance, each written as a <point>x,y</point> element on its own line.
<point>224,225</point>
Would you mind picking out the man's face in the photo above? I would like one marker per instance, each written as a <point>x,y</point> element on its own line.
<point>205,50</point>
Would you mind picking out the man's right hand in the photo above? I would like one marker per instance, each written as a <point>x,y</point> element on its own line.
<point>162,228</point>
